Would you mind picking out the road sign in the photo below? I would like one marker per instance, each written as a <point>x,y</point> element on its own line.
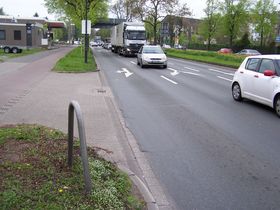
<point>84,27</point>
<point>277,39</point>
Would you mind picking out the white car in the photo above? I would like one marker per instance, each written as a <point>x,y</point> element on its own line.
<point>151,55</point>
<point>249,52</point>
<point>258,79</point>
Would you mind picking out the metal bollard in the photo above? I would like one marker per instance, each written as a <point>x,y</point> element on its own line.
<point>74,105</point>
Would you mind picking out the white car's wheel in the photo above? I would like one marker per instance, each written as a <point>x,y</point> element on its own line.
<point>141,64</point>
<point>277,105</point>
<point>236,92</point>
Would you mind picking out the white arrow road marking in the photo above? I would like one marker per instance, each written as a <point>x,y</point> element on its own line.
<point>175,72</point>
<point>215,70</point>
<point>126,72</point>
<point>169,80</point>
<point>191,69</point>
<point>133,62</point>
<point>230,80</point>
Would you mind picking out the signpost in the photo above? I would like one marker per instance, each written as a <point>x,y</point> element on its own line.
<point>86,24</point>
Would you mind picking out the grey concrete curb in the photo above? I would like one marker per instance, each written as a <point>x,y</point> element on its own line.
<point>148,197</point>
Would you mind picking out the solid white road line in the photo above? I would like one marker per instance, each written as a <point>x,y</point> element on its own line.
<point>133,62</point>
<point>191,69</point>
<point>169,80</point>
<point>230,80</point>
<point>215,70</point>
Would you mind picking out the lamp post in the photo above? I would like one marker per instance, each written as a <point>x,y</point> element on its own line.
<point>86,35</point>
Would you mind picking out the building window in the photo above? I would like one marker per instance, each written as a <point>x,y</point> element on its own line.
<point>17,35</point>
<point>2,35</point>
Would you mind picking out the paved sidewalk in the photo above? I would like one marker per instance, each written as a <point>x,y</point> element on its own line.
<point>47,104</point>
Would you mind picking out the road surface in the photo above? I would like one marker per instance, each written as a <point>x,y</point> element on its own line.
<point>208,151</point>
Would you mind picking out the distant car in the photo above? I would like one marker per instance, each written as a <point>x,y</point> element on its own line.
<point>258,79</point>
<point>225,51</point>
<point>93,44</point>
<point>167,46</point>
<point>177,46</point>
<point>249,52</point>
<point>151,55</point>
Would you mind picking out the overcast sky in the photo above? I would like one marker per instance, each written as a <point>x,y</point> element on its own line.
<point>27,8</point>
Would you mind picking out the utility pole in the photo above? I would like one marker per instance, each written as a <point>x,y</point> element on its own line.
<point>86,35</point>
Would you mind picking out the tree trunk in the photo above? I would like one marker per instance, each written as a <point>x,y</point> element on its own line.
<point>155,33</point>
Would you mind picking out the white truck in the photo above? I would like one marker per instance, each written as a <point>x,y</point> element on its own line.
<point>127,38</point>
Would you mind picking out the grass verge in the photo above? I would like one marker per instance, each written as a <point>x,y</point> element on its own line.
<point>4,56</point>
<point>233,61</point>
<point>34,174</point>
<point>73,62</point>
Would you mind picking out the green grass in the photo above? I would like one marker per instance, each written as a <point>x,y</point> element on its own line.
<point>73,62</point>
<point>207,56</point>
<point>34,174</point>
<point>4,56</point>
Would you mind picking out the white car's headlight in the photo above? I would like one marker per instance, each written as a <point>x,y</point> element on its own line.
<point>164,58</point>
<point>146,58</point>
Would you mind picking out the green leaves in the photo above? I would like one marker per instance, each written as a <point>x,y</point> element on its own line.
<point>76,9</point>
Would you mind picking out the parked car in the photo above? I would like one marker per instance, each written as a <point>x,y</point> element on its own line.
<point>249,52</point>
<point>258,79</point>
<point>225,51</point>
<point>167,46</point>
<point>177,46</point>
<point>93,44</point>
<point>151,55</point>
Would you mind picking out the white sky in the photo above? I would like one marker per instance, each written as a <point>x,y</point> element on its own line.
<point>27,8</point>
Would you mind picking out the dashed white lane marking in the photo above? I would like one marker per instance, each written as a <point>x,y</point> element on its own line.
<point>215,70</point>
<point>230,80</point>
<point>169,80</point>
<point>133,62</point>
<point>191,69</point>
<point>191,73</point>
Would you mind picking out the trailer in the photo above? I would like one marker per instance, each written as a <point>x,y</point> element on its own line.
<point>14,37</point>
<point>127,38</point>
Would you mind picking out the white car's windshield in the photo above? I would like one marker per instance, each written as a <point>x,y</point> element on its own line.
<point>152,50</point>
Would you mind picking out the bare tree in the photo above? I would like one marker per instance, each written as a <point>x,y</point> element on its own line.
<point>123,9</point>
<point>153,11</point>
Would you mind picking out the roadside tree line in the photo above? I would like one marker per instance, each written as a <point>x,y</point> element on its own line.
<point>240,22</point>
<point>227,22</point>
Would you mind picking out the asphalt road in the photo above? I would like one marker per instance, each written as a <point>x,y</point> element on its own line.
<point>208,151</point>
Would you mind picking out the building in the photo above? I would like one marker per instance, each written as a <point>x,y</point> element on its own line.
<point>172,26</point>
<point>21,33</point>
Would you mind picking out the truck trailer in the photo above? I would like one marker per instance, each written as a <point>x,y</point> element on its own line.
<point>127,38</point>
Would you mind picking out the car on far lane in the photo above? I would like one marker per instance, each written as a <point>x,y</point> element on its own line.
<point>225,51</point>
<point>249,52</point>
<point>151,55</point>
<point>258,79</point>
